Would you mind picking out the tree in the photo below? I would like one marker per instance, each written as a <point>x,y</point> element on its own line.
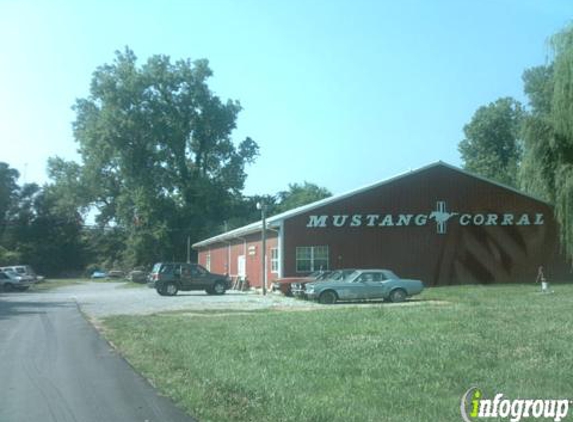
<point>537,171</point>
<point>245,208</point>
<point>299,195</point>
<point>71,192</point>
<point>157,152</point>
<point>492,146</point>
<point>548,161</point>
<point>8,202</point>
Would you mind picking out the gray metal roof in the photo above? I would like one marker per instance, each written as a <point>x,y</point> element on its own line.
<point>275,221</point>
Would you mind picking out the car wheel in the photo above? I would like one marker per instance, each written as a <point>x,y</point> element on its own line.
<point>160,291</point>
<point>209,291</point>
<point>219,288</point>
<point>398,295</point>
<point>8,287</point>
<point>328,298</point>
<point>170,289</point>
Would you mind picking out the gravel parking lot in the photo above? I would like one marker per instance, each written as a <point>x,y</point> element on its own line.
<point>111,298</point>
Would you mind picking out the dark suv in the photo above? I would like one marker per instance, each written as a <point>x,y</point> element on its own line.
<point>170,277</point>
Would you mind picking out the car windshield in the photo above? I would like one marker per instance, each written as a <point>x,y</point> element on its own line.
<point>352,276</point>
<point>319,275</point>
<point>339,275</point>
<point>166,269</point>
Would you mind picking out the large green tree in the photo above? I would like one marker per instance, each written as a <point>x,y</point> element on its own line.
<point>492,145</point>
<point>548,160</point>
<point>158,158</point>
<point>8,204</point>
<point>8,193</point>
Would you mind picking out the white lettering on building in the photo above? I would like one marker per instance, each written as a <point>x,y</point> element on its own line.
<point>339,220</point>
<point>356,220</point>
<point>441,218</point>
<point>317,221</point>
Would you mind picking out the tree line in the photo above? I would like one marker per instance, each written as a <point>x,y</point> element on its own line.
<point>158,166</point>
<point>530,146</point>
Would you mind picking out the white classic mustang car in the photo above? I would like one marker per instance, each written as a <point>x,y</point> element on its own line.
<point>364,284</point>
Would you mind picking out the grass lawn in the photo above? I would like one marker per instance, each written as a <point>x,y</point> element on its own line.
<point>365,363</point>
<point>52,283</point>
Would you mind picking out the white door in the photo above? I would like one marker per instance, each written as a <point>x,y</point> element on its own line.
<point>242,266</point>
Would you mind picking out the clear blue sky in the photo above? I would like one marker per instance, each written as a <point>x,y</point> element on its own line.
<point>339,93</point>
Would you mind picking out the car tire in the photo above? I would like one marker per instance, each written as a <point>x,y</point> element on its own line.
<point>159,291</point>
<point>328,298</point>
<point>209,291</point>
<point>170,289</point>
<point>397,296</point>
<point>219,288</point>
<point>8,287</point>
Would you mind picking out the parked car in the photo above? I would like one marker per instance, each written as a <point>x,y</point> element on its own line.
<point>298,288</point>
<point>364,284</point>
<point>115,274</point>
<point>99,274</point>
<point>25,270</point>
<point>285,285</point>
<point>11,280</point>
<point>137,276</point>
<point>167,278</point>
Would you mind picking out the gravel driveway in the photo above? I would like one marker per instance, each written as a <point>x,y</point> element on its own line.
<point>105,299</point>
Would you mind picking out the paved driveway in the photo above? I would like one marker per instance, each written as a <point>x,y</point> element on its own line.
<point>54,366</point>
<point>105,299</point>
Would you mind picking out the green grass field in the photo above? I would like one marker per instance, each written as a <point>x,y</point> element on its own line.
<point>54,283</point>
<point>364,363</point>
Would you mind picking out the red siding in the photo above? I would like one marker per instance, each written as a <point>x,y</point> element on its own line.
<point>470,253</point>
<point>465,254</point>
<point>224,257</point>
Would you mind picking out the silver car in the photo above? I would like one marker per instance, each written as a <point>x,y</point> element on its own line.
<point>11,280</point>
<point>364,284</point>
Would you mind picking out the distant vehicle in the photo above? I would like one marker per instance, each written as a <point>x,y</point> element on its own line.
<point>115,274</point>
<point>285,285</point>
<point>99,274</point>
<point>11,280</point>
<point>24,270</point>
<point>137,276</point>
<point>364,284</point>
<point>298,288</point>
<point>167,278</point>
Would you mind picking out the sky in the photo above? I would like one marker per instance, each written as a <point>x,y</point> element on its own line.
<point>337,93</point>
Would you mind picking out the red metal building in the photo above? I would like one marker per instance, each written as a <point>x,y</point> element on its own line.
<point>439,224</point>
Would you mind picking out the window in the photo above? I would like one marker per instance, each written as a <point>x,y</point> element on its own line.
<point>311,258</point>
<point>274,260</point>
<point>198,270</point>
<point>370,276</point>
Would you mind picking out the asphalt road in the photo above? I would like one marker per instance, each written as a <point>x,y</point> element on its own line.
<point>55,367</point>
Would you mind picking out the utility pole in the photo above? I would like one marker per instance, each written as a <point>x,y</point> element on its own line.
<point>188,249</point>
<point>261,206</point>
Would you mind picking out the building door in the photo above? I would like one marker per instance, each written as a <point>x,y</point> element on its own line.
<point>241,266</point>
